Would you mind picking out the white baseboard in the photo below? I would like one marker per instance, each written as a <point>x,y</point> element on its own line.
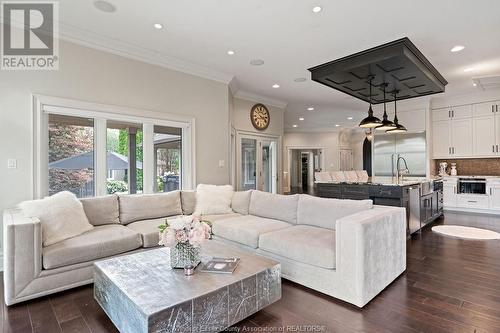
<point>1,262</point>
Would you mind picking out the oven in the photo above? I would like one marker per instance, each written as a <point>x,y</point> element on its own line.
<point>471,185</point>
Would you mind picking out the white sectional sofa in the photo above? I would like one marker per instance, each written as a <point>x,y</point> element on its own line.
<point>348,249</point>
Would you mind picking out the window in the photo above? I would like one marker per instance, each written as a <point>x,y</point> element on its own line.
<point>71,155</point>
<point>167,145</point>
<point>96,149</point>
<point>124,157</point>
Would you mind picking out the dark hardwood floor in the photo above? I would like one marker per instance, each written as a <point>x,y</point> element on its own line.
<point>451,285</point>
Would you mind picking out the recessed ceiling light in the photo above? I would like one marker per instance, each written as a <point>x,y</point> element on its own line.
<point>158,26</point>
<point>256,62</point>
<point>457,48</point>
<point>300,79</point>
<point>295,125</point>
<point>474,84</point>
<point>301,118</point>
<point>230,52</point>
<point>469,69</point>
<point>337,125</point>
<point>276,86</point>
<point>349,118</point>
<point>317,9</point>
<point>310,109</point>
<point>105,6</point>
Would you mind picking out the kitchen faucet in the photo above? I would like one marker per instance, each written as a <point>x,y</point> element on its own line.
<point>401,171</point>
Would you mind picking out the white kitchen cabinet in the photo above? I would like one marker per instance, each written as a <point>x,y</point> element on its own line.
<point>441,137</point>
<point>494,192</point>
<point>452,138</point>
<point>441,114</point>
<point>461,137</point>
<point>485,109</point>
<point>472,201</point>
<point>449,194</point>
<point>461,112</point>
<point>484,136</point>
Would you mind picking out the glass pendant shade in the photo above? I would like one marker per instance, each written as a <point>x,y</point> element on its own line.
<point>371,121</point>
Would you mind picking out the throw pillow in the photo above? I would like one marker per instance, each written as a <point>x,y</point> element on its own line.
<point>61,216</point>
<point>241,201</point>
<point>213,199</point>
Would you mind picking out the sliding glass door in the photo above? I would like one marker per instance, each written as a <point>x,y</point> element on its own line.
<point>257,158</point>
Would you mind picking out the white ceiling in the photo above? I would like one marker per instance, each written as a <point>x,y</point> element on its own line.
<point>290,38</point>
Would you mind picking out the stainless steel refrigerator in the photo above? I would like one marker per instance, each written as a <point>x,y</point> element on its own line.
<point>388,147</point>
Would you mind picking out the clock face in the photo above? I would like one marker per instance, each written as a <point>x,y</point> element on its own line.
<point>260,116</point>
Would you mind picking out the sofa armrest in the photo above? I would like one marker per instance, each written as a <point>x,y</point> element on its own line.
<point>22,252</point>
<point>371,250</point>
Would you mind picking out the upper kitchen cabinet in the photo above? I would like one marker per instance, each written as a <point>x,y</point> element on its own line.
<point>452,132</point>
<point>486,109</point>
<point>454,112</point>
<point>486,129</point>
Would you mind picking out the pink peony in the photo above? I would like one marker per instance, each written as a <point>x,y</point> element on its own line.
<point>167,238</point>
<point>180,236</point>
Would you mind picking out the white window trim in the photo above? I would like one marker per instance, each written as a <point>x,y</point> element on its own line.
<point>44,105</point>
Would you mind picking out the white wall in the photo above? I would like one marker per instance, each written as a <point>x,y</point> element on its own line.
<point>94,76</point>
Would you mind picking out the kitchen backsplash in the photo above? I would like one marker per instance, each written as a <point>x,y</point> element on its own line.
<point>472,166</point>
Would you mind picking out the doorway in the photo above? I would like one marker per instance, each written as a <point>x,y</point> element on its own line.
<point>302,164</point>
<point>257,159</point>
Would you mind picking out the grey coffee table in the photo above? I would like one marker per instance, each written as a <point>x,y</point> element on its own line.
<point>141,293</point>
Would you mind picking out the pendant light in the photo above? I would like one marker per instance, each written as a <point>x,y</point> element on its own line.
<point>371,121</point>
<point>386,123</point>
<point>399,128</point>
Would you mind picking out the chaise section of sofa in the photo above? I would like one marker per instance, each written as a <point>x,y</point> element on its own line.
<point>348,249</point>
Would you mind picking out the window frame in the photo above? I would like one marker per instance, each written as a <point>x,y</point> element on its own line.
<point>44,105</point>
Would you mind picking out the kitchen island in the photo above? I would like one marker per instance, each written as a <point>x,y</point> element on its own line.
<point>422,199</point>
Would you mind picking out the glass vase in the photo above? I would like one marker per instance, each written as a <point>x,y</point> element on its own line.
<point>184,254</point>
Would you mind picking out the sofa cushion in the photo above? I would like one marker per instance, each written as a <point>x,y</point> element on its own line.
<point>216,217</point>
<point>148,229</point>
<point>305,244</point>
<point>324,212</point>
<point>274,206</point>
<point>246,229</point>
<point>102,210</point>
<point>100,242</point>
<point>241,201</point>
<point>213,199</point>
<point>61,216</point>
<point>137,207</point>
<point>188,200</point>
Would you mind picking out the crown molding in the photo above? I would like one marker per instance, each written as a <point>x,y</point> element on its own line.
<point>132,51</point>
<point>249,96</point>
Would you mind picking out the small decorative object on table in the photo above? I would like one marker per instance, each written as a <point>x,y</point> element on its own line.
<point>184,236</point>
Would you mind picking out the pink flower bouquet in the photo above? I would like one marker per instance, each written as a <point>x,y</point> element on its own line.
<point>188,230</point>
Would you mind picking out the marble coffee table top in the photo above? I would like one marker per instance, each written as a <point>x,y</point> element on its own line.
<point>147,279</point>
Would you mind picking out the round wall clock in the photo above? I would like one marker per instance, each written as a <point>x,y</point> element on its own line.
<point>259,115</point>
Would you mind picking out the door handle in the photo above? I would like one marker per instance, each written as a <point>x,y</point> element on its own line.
<point>493,146</point>
<point>492,108</point>
<point>472,201</point>
<point>449,113</point>
<point>449,150</point>
<point>453,113</point>
<point>490,190</point>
